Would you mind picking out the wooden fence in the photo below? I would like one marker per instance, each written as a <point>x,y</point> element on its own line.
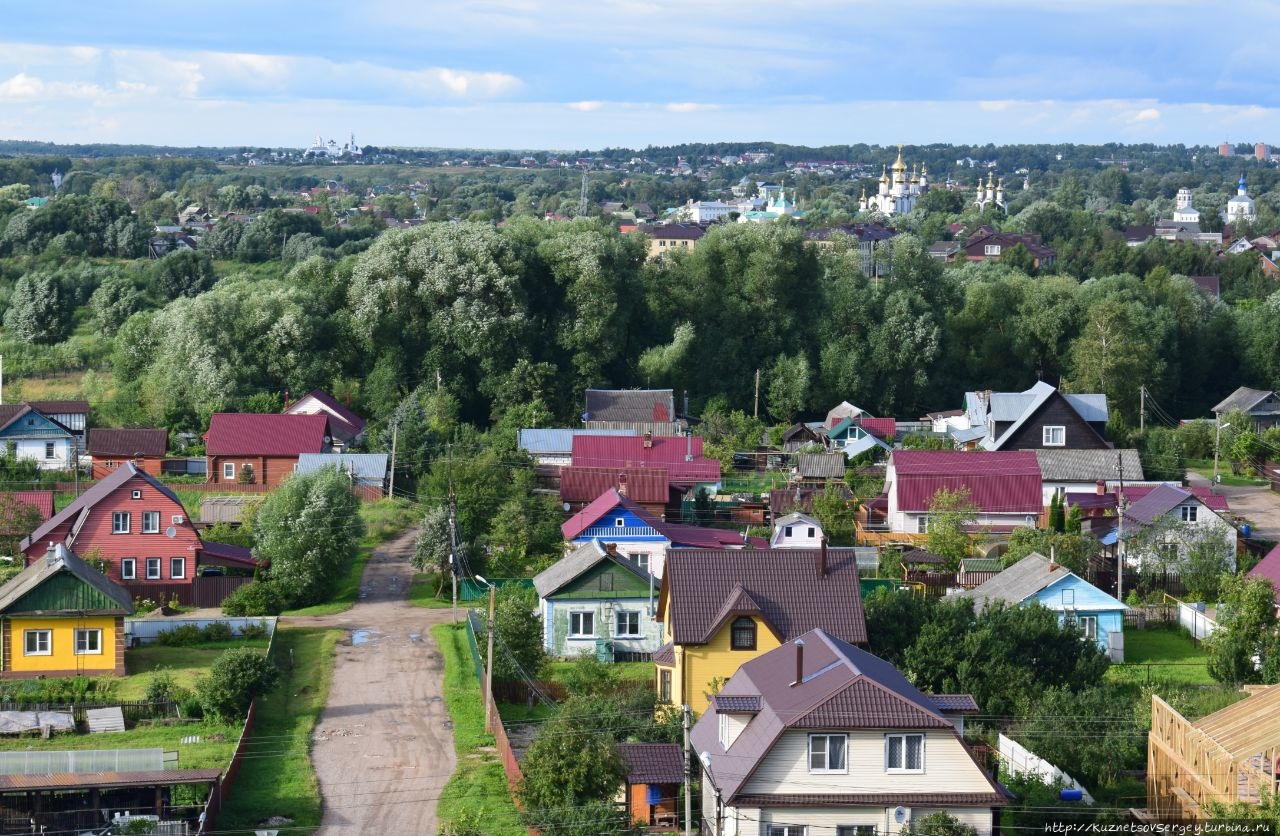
<point>133,710</point>
<point>203,591</point>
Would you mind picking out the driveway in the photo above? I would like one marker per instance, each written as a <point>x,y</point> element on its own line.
<point>1259,505</point>
<point>383,748</point>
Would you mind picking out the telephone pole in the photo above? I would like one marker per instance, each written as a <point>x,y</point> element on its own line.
<point>1120,526</point>
<point>755,413</point>
<point>391,486</point>
<point>687,722</point>
<point>1142,410</point>
<point>453,538</point>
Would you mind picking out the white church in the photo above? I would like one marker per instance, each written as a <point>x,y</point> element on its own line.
<point>898,195</point>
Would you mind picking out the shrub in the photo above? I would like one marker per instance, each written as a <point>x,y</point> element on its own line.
<point>253,630</point>
<point>257,598</point>
<point>190,705</point>
<point>217,631</point>
<point>184,635</point>
<point>234,679</point>
<point>161,686</point>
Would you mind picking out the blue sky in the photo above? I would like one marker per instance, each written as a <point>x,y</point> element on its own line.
<point>577,74</point>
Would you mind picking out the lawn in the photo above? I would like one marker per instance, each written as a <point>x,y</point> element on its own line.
<point>276,779</point>
<point>476,794</point>
<point>184,663</point>
<point>217,741</point>
<point>422,592</point>
<point>1161,655</point>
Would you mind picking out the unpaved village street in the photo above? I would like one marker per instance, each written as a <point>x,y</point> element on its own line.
<point>383,749</point>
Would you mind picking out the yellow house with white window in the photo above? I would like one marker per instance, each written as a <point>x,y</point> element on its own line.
<point>61,617</point>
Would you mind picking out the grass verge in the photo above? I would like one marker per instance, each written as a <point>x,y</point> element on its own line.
<point>477,792</point>
<point>184,663</point>
<point>277,779</point>
<point>422,592</point>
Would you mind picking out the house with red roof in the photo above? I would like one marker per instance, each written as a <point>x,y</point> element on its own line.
<point>347,427</point>
<point>680,456</point>
<point>41,501</point>
<point>647,487</point>
<point>109,448</point>
<point>137,527</point>
<point>1004,486</point>
<point>262,449</point>
<point>1269,567</point>
<point>617,521</point>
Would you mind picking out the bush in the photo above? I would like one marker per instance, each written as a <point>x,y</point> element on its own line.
<point>190,705</point>
<point>254,630</point>
<point>217,631</point>
<point>257,598</point>
<point>184,635</point>
<point>59,690</point>
<point>234,679</point>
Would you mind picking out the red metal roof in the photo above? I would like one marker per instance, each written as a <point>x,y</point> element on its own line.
<point>1211,500</point>
<point>637,451</point>
<point>1269,568</point>
<point>689,536</point>
<point>584,484</point>
<point>998,483</point>
<point>333,405</point>
<point>42,501</point>
<point>256,434</point>
<point>881,428</point>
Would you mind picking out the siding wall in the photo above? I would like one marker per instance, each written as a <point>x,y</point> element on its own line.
<point>704,663</point>
<point>555,614</point>
<point>753,821</point>
<point>104,466</point>
<point>267,470</point>
<point>63,660</point>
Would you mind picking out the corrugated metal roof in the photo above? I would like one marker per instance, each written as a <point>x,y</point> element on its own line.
<point>821,465</point>
<point>1204,493</point>
<point>42,501</point>
<point>107,780</point>
<point>1087,465</point>
<point>563,571</point>
<point>1001,482</point>
<point>879,427</point>
<point>659,451</point>
<point>657,405</point>
<point>127,443</point>
<point>653,763</point>
<point>1023,580</point>
<point>1269,567</point>
<point>259,434</point>
<point>547,441</point>
<point>365,467</point>
<point>584,484</point>
<point>1154,503</point>
<point>1242,398</point>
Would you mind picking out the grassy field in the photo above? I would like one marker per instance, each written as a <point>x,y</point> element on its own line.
<point>422,592</point>
<point>477,793</point>
<point>1204,467</point>
<point>1161,655</point>
<point>276,779</point>
<point>184,663</point>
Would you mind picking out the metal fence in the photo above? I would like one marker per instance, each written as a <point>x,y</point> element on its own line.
<point>146,630</point>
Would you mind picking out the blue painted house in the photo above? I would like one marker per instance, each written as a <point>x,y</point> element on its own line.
<point>27,433</point>
<point>1037,579</point>
<point>617,521</point>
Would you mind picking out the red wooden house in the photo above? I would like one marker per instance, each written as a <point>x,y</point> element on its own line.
<point>109,448</point>
<point>262,449</point>
<point>133,523</point>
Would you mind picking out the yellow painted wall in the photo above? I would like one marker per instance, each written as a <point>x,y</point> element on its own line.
<point>63,645</point>
<point>698,665</point>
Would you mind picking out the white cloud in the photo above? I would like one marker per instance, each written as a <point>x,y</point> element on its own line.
<point>21,86</point>
<point>585,107</point>
<point>690,107</point>
<point>996,106</point>
<point>1147,114</point>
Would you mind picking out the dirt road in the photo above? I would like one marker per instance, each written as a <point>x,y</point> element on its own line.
<point>1259,505</point>
<point>383,749</point>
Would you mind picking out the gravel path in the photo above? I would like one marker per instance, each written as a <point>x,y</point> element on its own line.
<point>1259,505</point>
<point>383,748</point>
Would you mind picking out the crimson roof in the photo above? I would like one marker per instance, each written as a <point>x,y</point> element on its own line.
<point>257,434</point>
<point>879,427</point>
<point>42,501</point>
<point>662,451</point>
<point>127,443</point>
<point>100,491</point>
<point>1269,568</point>
<point>681,535</point>
<point>998,482</point>
<point>1211,500</point>
<point>583,484</point>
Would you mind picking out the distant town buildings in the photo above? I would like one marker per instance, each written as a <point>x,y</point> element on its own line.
<point>896,195</point>
<point>331,149</point>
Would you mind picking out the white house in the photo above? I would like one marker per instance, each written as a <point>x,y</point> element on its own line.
<point>796,531</point>
<point>1171,521</point>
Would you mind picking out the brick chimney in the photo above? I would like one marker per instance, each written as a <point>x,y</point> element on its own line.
<point>1101,487</point>
<point>622,484</point>
<point>822,558</point>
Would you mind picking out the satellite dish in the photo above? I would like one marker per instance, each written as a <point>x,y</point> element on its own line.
<point>171,532</point>
<point>566,506</point>
<point>899,814</point>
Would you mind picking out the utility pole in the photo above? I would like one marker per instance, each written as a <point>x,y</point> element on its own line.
<point>453,538</point>
<point>755,413</point>
<point>1120,527</point>
<point>688,771</point>
<point>1217,443</point>
<point>391,486</point>
<point>1142,410</point>
<point>488,668</point>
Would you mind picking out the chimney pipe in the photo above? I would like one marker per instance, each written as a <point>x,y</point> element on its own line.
<point>799,662</point>
<point>1102,487</point>
<point>622,484</point>
<point>822,558</point>
<point>1053,558</point>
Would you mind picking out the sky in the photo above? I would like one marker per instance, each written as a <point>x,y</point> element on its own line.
<point>590,74</point>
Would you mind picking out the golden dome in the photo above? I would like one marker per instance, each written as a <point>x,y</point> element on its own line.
<point>915,178</point>
<point>899,165</point>
<point>884,175</point>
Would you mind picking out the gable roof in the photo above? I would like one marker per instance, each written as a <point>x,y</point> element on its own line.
<point>1243,398</point>
<point>879,427</point>
<point>1088,465</point>
<point>1088,407</point>
<point>784,583</point>
<point>366,466</point>
<point>680,535</point>
<point>630,405</point>
<point>840,687</point>
<point>653,763</point>
<point>584,484</point>
<point>266,434</point>
<point>1157,502</point>
<point>10,413</point>
<point>566,569</point>
<point>100,491</point>
<point>821,465</point>
<point>60,407</point>
<point>331,404</point>
<point>669,452</point>
<point>998,482</point>
<point>42,501</point>
<point>558,440</point>
<point>1204,493</point>
<point>127,443</point>
<point>1269,567</point>
<point>64,562</point>
<point>795,518</point>
<point>1020,581</point>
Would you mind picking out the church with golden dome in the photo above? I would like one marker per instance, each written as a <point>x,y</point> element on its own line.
<point>897,195</point>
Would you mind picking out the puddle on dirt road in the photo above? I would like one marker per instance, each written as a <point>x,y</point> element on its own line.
<point>415,637</point>
<point>365,636</point>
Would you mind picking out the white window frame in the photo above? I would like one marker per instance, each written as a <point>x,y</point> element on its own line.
<point>88,641</point>
<point>1050,432</point>
<point>49,452</point>
<point>153,562</point>
<point>228,470</point>
<point>722,729</point>
<point>630,616</point>
<point>641,559</point>
<point>179,563</point>
<point>44,637</point>
<point>128,568</point>
<point>1089,626</point>
<point>119,517</point>
<point>991,249</point>
<point>855,830</point>
<point>619,522</point>
<point>825,753</point>
<point>903,743</point>
<point>581,617</point>
<point>150,522</point>
<point>1190,513</point>
<point>788,830</point>
<point>922,524</point>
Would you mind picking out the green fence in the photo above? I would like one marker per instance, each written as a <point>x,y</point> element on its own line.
<point>470,591</point>
<point>474,626</point>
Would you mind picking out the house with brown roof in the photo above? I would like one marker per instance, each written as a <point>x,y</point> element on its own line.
<point>109,448</point>
<point>720,609</point>
<point>262,449</point>
<point>986,244</point>
<point>651,411</point>
<point>819,736</point>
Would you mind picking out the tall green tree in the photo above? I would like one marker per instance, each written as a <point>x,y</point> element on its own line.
<point>949,514</point>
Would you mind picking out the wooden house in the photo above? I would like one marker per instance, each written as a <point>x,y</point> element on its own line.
<point>262,449</point>
<point>655,772</point>
<point>109,448</point>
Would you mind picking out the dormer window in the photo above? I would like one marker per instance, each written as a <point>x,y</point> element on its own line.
<point>1190,513</point>
<point>743,634</point>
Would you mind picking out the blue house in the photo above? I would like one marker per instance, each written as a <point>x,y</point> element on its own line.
<point>26,433</point>
<point>1037,579</point>
<point>618,522</point>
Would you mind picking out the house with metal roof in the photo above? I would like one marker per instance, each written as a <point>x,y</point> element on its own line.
<point>1043,417</point>
<point>145,447</point>
<point>854,436</point>
<point>61,617</point>
<point>650,411</point>
<point>646,486</point>
<point>262,448</point>
<point>28,434</point>
<point>680,456</point>
<point>817,735</point>
<point>1066,472</point>
<point>655,772</point>
<point>1164,524</point>
<point>1263,406</point>
<point>720,609</point>
<point>1038,580</point>
<point>597,601</point>
<point>554,446</point>
<point>347,427</point>
<point>1005,488</point>
<point>363,469</point>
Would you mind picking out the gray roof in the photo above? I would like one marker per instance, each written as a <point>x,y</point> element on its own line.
<point>1161,500</point>
<point>43,569</point>
<point>1088,465</point>
<point>1091,408</point>
<point>363,466</point>
<point>630,405</point>
<point>566,569</point>
<point>547,441</point>
<point>1019,582</point>
<point>821,465</point>
<point>840,687</point>
<point>1243,398</point>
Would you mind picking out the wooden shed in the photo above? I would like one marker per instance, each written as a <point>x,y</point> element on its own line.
<point>1226,757</point>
